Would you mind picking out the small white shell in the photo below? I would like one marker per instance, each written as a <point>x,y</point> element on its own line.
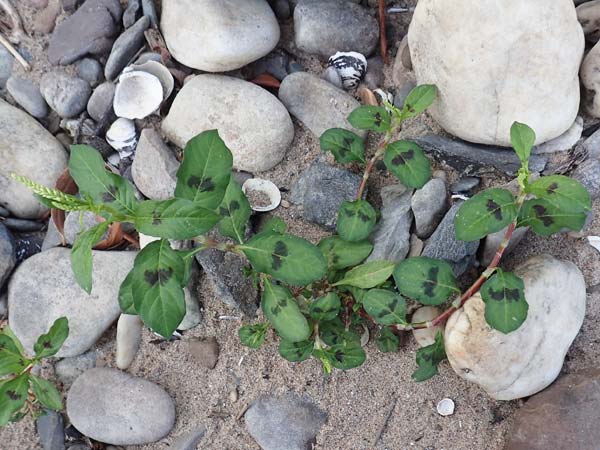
<point>351,66</point>
<point>159,71</point>
<point>114,159</point>
<point>262,186</point>
<point>445,407</point>
<point>138,95</point>
<point>122,137</point>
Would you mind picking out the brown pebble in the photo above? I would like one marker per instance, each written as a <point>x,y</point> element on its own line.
<point>46,19</point>
<point>205,351</point>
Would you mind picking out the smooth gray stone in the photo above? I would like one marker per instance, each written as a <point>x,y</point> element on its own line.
<point>125,48</point>
<point>429,205</point>
<point>90,70</point>
<point>68,369</point>
<point>189,441</point>
<point>50,429</point>
<point>8,256</point>
<point>66,95</point>
<point>27,94</point>
<point>465,184</point>
<point>588,174</point>
<point>6,64</point>
<point>149,9</point>
<point>100,104</point>
<point>22,225</point>
<point>132,13</point>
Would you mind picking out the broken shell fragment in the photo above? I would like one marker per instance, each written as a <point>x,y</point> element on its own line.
<point>122,137</point>
<point>351,67</point>
<point>159,71</point>
<point>445,407</point>
<point>138,95</point>
<point>263,195</point>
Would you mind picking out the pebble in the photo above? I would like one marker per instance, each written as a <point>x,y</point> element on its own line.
<point>204,351</point>
<point>22,225</point>
<point>4,212</point>
<point>8,257</point>
<point>43,289</point>
<point>492,241</point>
<point>374,77</point>
<point>46,20</point>
<point>68,369</point>
<point>332,76</point>
<point>588,174</point>
<point>416,246</point>
<point>27,94</point>
<point>190,440</point>
<point>90,70</point>
<point>193,312</point>
<point>564,142</point>
<point>149,9</point>
<point>521,363</point>
<point>429,204</point>
<point>588,15</point>
<point>129,336</point>
<point>426,336</point>
<point>330,26</point>
<point>66,95</point>
<point>100,104</point>
<point>445,407</point>
<point>126,410</point>
<point>6,65</point>
<point>464,185</point>
<point>3,306</point>
<point>281,8</point>
<point>77,222</point>
<point>50,429</point>
<point>132,13</point>
<point>125,48</point>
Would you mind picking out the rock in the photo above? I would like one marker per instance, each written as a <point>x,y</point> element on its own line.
<point>316,103</point>
<point>288,422</point>
<point>76,223</point>
<point>233,33</point>
<point>154,167</point>
<point>591,146</point>
<point>391,237</point>
<point>189,441</point>
<point>50,429</point>
<point>3,306</point>
<point>332,76</point>
<point>100,105</point>
<point>38,4</point>
<point>588,15</point>
<point>90,70</point>
<point>591,81</point>
<point>275,63</point>
<point>416,246</point>
<point>66,95</point>
<point>253,123</point>
<point>149,10</point>
<point>588,174</point>
<point>329,26</point>
<point>473,159</point>
<point>204,351</point>
<point>492,241</point>
<point>8,257</point>
<point>27,95</point>
<point>68,369</point>
<point>193,313</point>
<point>27,149</point>
<point>43,289</point>
<point>521,363</point>
<point>46,20</point>
<point>321,189</point>
<point>403,93</point>
<point>498,83</point>
<point>281,8</point>
<point>22,225</point>
<point>129,336</point>
<point>132,13</point>
<point>429,205</point>
<point>126,410</point>
<point>563,417</point>
<point>464,185</point>
<point>6,64</point>
<point>52,238</point>
<point>426,336</point>
<point>374,78</point>
<point>565,141</point>
<point>125,48</point>
<point>443,244</point>
<point>88,30</point>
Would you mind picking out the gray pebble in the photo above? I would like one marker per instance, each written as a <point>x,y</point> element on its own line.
<point>27,94</point>
<point>588,174</point>
<point>464,185</point>
<point>89,70</point>
<point>189,441</point>
<point>332,75</point>
<point>429,205</point>
<point>403,92</point>
<point>6,65</point>
<point>68,369</point>
<point>66,95</point>
<point>50,430</point>
<point>205,351</point>
<point>22,225</point>
<point>132,13</point>
<point>100,105</point>
<point>149,8</point>
<point>125,48</point>
<point>374,77</point>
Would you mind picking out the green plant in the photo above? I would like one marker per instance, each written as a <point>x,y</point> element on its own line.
<point>318,298</point>
<point>22,392</point>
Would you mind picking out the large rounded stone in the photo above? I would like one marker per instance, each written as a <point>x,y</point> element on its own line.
<point>253,123</point>
<point>218,36</point>
<point>521,363</point>
<point>26,149</point>
<point>499,62</point>
<point>113,407</point>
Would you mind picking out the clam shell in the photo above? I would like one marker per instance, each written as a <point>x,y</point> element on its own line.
<point>122,137</point>
<point>351,67</point>
<point>159,71</point>
<point>138,95</point>
<point>264,187</point>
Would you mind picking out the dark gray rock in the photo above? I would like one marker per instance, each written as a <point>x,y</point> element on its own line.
<point>332,76</point>
<point>6,65</point>
<point>289,422</point>
<point>22,225</point>
<point>275,63</point>
<point>100,104</point>
<point>444,245</point>
<point>66,95</point>
<point>68,369</point>
<point>28,245</point>
<point>132,13</point>
<point>76,223</point>
<point>403,92</point>
<point>89,30</point>
<point>8,257</point>
<point>465,184</point>
<point>149,9</point>
<point>281,8</point>
<point>321,189</point>
<point>27,94</point>
<point>588,174</point>
<point>429,205</point>
<point>374,77</point>
<point>189,441</point>
<point>125,48</point>
<point>50,429</point>
<point>90,70</point>
<point>473,159</point>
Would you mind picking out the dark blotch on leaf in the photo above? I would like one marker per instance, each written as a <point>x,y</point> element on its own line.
<point>223,212</point>
<point>280,251</point>
<point>540,212</point>
<point>400,160</point>
<point>13,395</point>
<point>160,276</point>
<point>234,205</point>
<point>378,119</point>
<point>494,207</point>
<point>339,356</point>
<point>552,188</point>
<point>205,185</point>
<point>363,217</point>
<point>430,283</point>
<point>110,195</point>
<point>512,295</point>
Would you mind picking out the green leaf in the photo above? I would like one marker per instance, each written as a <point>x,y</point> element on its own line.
<point>368,275</point>
<point>346,356</point>
<point>346,146</point>
<point>126,295</point>
<point>46,393</point>
<point>367,117</point>
<point>253,336</point>
<point>505,304</point>
<point>174,219</point>
<point>276,224</point>
<point>387,341</point>
<point>485,213</point>
<point>81,254</point>
<point>236,212</point>
<point>545,218</point>
<point>385,307</point>
<point>296,351</point>
<point>290,259</point>
<point>426,280</point>
<point>522,139</point>
<point>407,162</point>
<point>204,174</point>
<point>50,343</point>
<point>158,297</point>
<point>7,331</point>
<point>12,359</point>
<point>356,220</point>
<point>341,254</point>
<point>418,100</point>
<point>428,359</point>
<point>326,307</point>
<point>13,394</point>
<point>333,332</point>
<point>280,307</point>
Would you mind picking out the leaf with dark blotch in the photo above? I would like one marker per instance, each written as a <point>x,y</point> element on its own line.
<point>333,332</point>
<point>407,162</point>
<point>426,280</point>
<point>522,139</point>
<point>49,344</point>
<point>385,307</point>
<point>253,336</point>
<point>387,341</point>
<point>428,359</point>
<point>326,307</point>
<point>485,213</point>
<point>367,117</point>
<point>505,305</point>
<point>126,295</point>
<point>545,218</point>
<point>418,100</point>
<point>236,212</point>
<point>275,224</point>
<point>46,393</point>
<point>341,254</point>
<point>280,307</point>
<point>346,146</point>
<point>346,356</point>
<point>11,359</point>
<point>296,351</point>
<point>356,220</point>
<point>81,255</point>
<point>13,394</point>
<point>368,275</point>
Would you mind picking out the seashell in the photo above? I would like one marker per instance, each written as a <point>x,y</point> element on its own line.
<point>445,407</point>
<point>138,95</point>
<point>351,66</point>
<point>159,71</point>
<point>385,97</point>
<point>263,195</point>
<point>114,159</point>
<point>122,137</point>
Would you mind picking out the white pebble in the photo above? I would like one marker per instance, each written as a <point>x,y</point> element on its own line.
<point>445,407</point>
<point>129,335</point>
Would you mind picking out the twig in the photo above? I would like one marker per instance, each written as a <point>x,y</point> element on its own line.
<point>382,37</point>
<point>13,51</point>
<point>385,422</point>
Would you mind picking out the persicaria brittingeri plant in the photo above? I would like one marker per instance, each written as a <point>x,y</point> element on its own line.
<point>318,298</point>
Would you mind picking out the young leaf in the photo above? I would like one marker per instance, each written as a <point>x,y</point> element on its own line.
<point>46,393</point>
<point>522,139</point>
<point>6,331</point>
<point>290,259</point>
<point>485,213</point>
<point>126,294</point>
<point>385,307</point>
<point>368,275</point>
<point>567,195</point>
<point>418,100</point>
<point>253,336</point>
<point>545,218</point>
<point>356,220</point>
<point>12,359</point>
<point>50,343</point>
<point>426,280</point>
<point>296,351</point>
<point>346,146</point>
<point>280,307</point>
<point>13,394</point>
<point>235,211</point>
<point>341,254</point>
<point>407,162</point>
<point>505,304</point>
<point>428,359</point>
<point>346,356</point>
<point>81,255</point>
<point>204,174</point>
<point>326,307</point>
<point>367,117</point>
<point>276,224</point>
<point>387,341</point>
<point>333,332</point>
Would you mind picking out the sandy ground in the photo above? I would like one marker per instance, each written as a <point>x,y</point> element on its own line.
<point>376,406</point>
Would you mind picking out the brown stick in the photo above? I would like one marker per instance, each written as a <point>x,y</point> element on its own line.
<point>382,37</point>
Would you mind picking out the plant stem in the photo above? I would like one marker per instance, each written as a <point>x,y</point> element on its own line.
<point>378,154</point>
<point>382,34</point>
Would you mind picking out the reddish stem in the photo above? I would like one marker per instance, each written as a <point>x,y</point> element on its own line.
<point>382,37</point>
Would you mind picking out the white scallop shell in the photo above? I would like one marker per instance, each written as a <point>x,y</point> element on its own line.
<point>122,137</point>
<point>265,186</point>
<point>159,71</point>
<point>351,66</point>
<point>138,95</point>
<point>445,407</point>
